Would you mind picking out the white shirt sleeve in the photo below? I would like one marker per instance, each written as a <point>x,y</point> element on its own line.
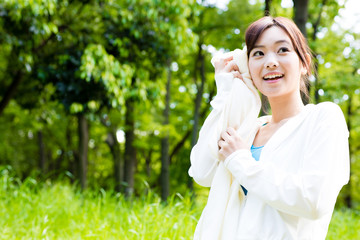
<point>312,192</point>
<point>204,155</point>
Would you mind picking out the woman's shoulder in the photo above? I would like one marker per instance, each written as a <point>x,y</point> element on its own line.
<point>328,109</point>
<point>327,113</point>
<point>319,113</point>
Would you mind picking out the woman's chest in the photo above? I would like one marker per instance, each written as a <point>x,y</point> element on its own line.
<point>265,133</point>
<point>287,153</point>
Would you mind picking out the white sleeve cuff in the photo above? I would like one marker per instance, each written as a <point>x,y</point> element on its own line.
<point>241,163</point>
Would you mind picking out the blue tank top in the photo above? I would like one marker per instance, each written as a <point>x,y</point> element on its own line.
<point>255,152</point>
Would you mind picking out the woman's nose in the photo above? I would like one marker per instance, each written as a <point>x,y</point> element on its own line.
<point>271,62</point>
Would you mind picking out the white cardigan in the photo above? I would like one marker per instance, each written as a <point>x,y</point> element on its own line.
<point>293,187</point>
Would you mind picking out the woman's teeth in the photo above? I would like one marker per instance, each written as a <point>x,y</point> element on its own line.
<point>273,76</point>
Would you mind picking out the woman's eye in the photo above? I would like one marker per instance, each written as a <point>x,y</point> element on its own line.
<point>283,49</point>
<point>258,53</point>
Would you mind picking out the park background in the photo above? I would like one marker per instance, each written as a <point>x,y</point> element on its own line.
<point>102,101</point>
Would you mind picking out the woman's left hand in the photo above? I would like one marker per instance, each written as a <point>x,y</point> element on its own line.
<point>230,142</point>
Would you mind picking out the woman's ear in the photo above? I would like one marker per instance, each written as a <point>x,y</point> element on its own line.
<point>308,58</point>
<point>304,69</point>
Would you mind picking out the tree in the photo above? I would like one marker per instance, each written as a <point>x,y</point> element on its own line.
<point>142,39</point>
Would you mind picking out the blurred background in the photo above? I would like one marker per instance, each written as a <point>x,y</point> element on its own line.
<point>111,94</point>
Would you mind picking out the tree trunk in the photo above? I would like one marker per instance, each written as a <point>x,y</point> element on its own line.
<point>83,149</point>
<point>165,163</point>
<point>200,90</point>
<point>301,15</point>
<point>71,156</point>
<point>130,150</point>
<point>316,62</point>
<point>42,154</point>
<point>267,7</point>
<point>300,19</point>
<point>10,92</point>
<point>116,154</point>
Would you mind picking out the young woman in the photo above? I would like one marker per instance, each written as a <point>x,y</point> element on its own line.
<point>298,161</point>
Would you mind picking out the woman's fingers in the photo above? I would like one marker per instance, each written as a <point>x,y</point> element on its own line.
<point>231,66</point>
<point>234,69</point>
<point>221,63</point>
<point>230,142</point>
<point>225,136</point>
<point>226,65</point>
<point>228,58</point>
<point>221,143</point>
<point>231,131</point>
<point>237,74</point>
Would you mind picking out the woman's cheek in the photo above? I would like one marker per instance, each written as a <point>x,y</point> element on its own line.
<point>253,69</point>
<point>255,80</point>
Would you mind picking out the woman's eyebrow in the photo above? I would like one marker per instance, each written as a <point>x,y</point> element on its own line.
<point>282,41</point>
<point>277,42</point>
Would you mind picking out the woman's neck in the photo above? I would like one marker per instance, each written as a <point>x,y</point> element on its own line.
<point>285,107</point>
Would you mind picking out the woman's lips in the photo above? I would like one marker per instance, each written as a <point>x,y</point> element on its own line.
<point>273,77</point>
<point>274,80</point>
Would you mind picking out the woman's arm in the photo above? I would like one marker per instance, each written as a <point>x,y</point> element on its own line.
<point>236,105</point>
<point>204,155</point>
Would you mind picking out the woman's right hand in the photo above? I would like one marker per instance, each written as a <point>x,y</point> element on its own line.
<point>227,65</point>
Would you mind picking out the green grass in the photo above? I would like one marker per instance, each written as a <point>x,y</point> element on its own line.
<point>345,224</point>
<point>32,210</point>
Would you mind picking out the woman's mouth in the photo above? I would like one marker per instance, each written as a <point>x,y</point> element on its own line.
<point>273,77</point>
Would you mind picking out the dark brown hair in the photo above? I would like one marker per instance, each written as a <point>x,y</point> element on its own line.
<point>299,43</point>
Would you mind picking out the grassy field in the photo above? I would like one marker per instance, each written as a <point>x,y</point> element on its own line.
<point>30,210</point>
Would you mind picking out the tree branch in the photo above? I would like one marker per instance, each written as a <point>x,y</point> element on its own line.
<point>317,22</point>
<point>181,143</point>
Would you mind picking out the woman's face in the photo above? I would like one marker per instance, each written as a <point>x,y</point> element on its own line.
<point>274,65</point>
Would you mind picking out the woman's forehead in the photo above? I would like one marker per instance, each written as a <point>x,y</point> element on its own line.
<point>273,35</point>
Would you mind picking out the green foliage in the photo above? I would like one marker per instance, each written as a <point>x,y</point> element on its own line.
<point>228,30</point>
<point>99,65</point>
